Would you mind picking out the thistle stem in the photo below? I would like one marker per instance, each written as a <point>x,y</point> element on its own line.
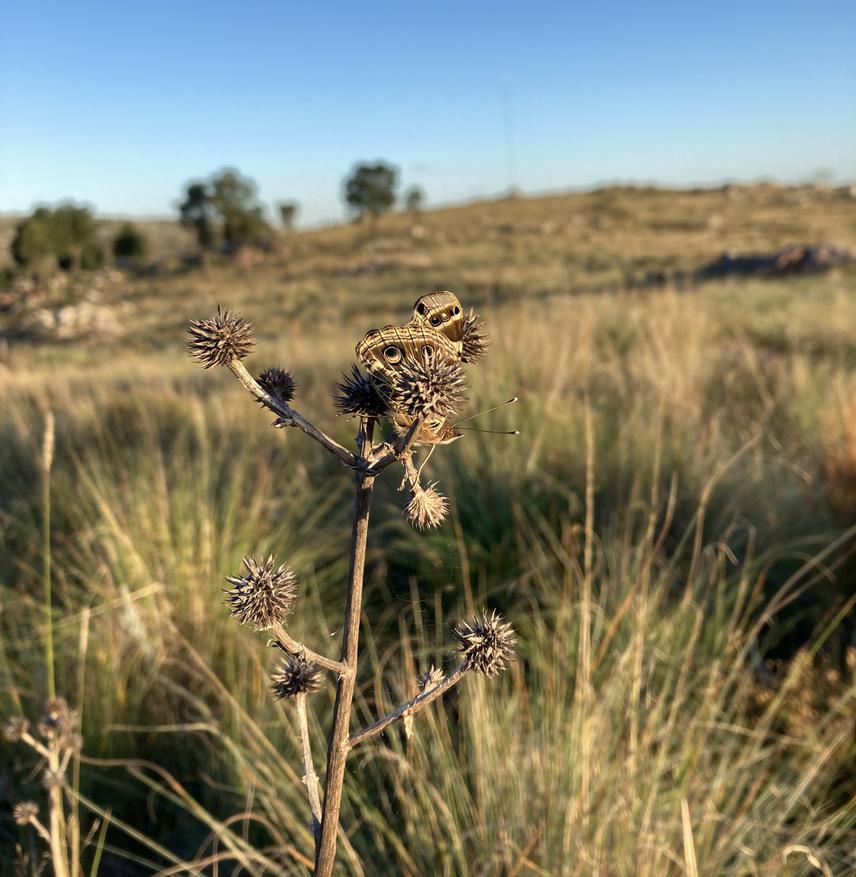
<point>411,707</point>
<point>293,647</point>
<point>338,746</point>
<point>288,415</point>
<point>310,778</point>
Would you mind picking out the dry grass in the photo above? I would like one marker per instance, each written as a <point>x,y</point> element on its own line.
<point>701,532</point>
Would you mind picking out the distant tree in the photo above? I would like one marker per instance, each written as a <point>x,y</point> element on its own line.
<point>414,198</point>
<point>370,190</point>
<point>130,243</point>
<point>287,213</point>
<point>75,235</point>
<point>228,204</point>
<point>236,200</point>
<point>64,236</point>
<point>199,214</point>
<point>34,242</point>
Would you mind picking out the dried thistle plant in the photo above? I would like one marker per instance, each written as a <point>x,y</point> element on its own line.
<point>418,398</point>
<point>55,740</point>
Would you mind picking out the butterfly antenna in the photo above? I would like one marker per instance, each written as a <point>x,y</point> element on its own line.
<point>427,458</point>
<point>492,431</point>
<point>487,411</point>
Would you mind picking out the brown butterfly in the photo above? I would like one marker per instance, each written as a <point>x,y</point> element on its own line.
<point>384,351</point>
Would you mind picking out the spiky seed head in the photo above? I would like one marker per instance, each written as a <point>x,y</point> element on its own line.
<point>486,643</point>
<point>220,339</point>
<point>429,387</point>
<point>358,395</point>
<point>278,382</point>
<point>24,812</point>
<point>15,728</point>
<point>431,678</point>
<point>295,676</point>
<point>53,779</point>
<point>59,723</point>
<point>427,508</point>
<point>263,595</point>
<point>473,338</point>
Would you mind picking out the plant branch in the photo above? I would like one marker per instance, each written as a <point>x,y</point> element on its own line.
<point>338,747</point>
<point>293,647</point>
<point>411,707</point>
<point>310,778</point>
<point>397,449</point>
<point>288,416</point>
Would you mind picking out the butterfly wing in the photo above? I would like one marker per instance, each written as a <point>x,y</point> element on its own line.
<point>383,353</point>
<point>442,312</point>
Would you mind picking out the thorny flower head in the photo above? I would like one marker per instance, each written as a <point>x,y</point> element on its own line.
<point>358,395</point>
<point>278,382</point>
<point>473,337</point>
<point>263,595</point>
<point>24,812</point>
<point>486,644</point>
<point>429,387</point>
<point>59,724</point>
<point>427,508</point>
<point>295,676</point>
<point>220,339</point>
<point>15,728</point>
<point>431,678</point>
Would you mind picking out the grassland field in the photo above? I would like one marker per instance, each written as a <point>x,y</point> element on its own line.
<point>681,500</point>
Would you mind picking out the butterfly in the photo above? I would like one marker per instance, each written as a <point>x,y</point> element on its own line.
<point>434,330</point>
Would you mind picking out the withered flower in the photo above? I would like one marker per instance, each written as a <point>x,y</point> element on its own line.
<point>429,387</point>
<point>473,337</point>
<point>358,395</point>
<point>295,676</point>
<point>427,508</point>
<point>15,728</point>
<point>263,595</point>
<point>278,382</point>
<point>220,339</point>
<point>24,812</point>
<point>59,723</point>
<point>486,644</point>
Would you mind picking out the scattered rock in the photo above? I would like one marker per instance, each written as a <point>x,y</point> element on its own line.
<point>794,259</point>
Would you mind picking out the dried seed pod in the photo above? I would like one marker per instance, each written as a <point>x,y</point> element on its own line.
<point>428,387</point>
<point>295,676</point>
<point>486,643</point>
<point>220,339</point>
<point>25,812</point>
<point>427,508</point>
<point>263,595</point>
<point>473,338</point>
<point>358,395</point>
<point>278,382</point>
<point>15,728</point>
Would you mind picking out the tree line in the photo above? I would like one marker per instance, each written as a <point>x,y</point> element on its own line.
<point>223,212</point>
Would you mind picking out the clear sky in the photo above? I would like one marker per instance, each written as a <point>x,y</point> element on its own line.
<point>119,103</point>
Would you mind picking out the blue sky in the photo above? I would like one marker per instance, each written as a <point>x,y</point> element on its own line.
<point>119,103</point>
